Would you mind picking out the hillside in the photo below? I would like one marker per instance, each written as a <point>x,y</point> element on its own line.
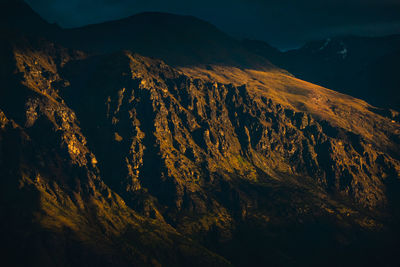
<point>14,15</point>
<point>178,40</point>
<point>114,158</point>
<point>359,66</point>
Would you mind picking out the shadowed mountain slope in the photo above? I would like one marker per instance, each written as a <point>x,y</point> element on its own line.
<point>17,16</point>
<point>178,40</point>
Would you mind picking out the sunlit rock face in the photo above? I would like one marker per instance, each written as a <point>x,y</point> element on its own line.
<point>119,159</point>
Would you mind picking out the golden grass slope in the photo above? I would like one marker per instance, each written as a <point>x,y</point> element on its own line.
<point>340,110</point>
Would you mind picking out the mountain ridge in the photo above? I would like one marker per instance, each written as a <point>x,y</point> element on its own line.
<point>186,40</point>
<point>120,159</point>
<point>356,65</point>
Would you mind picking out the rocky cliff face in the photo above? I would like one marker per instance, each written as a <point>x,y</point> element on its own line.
<point>56,209</point>
<point>121,159</point>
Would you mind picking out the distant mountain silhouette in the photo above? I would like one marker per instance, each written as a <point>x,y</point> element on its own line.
<point>17,16</point>
<point>363,67</point>
<point>178,40</point>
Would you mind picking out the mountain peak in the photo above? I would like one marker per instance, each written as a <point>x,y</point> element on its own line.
<point>176,39</point>
<point>18,16</point>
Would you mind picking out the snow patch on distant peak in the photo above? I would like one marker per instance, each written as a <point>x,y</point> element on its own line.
<point>327,41</point>
<point>344,51</point>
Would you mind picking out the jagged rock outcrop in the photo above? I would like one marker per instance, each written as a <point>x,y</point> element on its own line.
<point>125,135</point>
<point>187,123</point>
<point>53,197</point>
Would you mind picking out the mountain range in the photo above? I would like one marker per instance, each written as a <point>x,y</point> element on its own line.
<point>364,67</point>
<point>158,140</point>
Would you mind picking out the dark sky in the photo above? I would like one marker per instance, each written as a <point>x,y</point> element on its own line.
<point>282,23</point>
